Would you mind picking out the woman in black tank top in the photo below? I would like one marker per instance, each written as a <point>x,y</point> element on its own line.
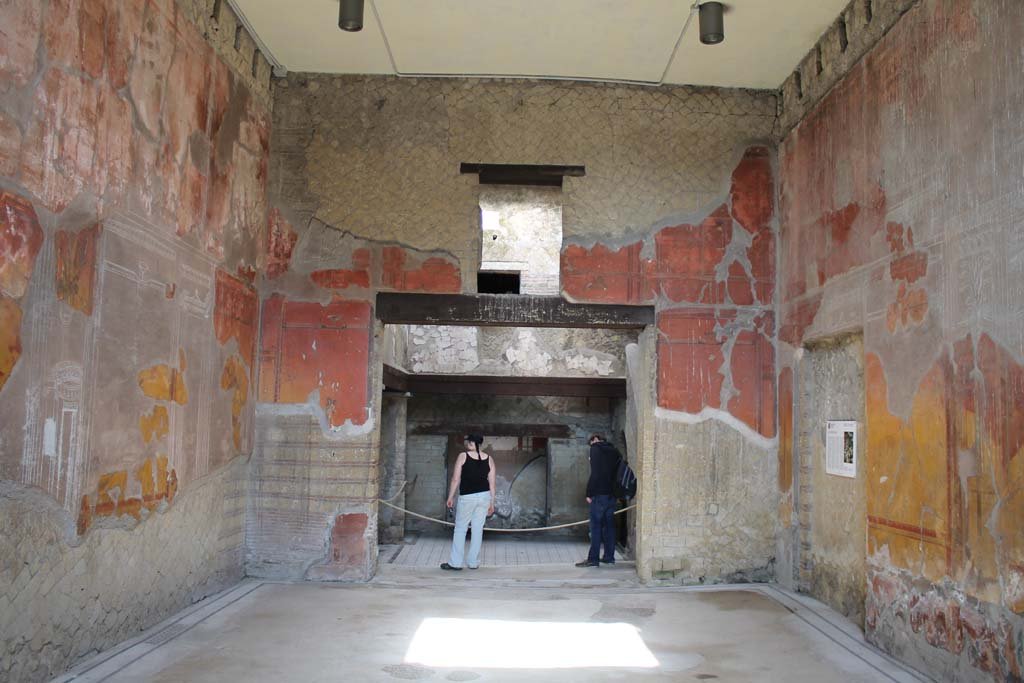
<point>473,478</point>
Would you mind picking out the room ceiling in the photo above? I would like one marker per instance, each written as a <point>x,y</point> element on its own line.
<point>588,39</point>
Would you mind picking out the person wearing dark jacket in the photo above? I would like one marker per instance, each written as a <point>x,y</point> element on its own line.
<point>604,463</point>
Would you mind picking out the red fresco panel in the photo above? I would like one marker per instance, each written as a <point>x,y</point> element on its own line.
<point>686,257</point>
<point>435,275</point>
<point>600,275</point>
<point>235,314</point>
<point>309,347</point>
<point>270,346</point>
<point>689,360</point>
<point>752,363</point>
<point>753,192</point>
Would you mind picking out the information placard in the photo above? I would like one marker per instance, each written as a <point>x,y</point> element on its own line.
<point>841,448</point>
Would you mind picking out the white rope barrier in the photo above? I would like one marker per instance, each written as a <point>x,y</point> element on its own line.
<point>487,528</point>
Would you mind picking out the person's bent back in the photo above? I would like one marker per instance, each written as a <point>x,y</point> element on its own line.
<point>604,463</point>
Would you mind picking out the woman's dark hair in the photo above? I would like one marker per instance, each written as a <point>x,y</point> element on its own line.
<point>476,439</point>
<point>596,437</point>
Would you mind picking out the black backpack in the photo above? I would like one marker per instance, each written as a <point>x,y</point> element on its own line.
<point>624,485</point>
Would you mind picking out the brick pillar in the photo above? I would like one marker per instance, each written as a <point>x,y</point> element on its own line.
<point>425,463</point>
<point>391,522</point>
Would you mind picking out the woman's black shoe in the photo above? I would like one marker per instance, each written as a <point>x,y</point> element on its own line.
<point>451,568</point>
<point>588,563</point>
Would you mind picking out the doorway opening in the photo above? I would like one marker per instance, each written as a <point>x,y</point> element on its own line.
<point>831,502</point>
<point>520,240</point>
<point>536,395</point>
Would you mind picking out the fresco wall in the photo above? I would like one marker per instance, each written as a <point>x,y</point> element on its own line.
<point>711,278</point>
<point>901,217</point>
<point>366,196</point>
<point>133,167</point>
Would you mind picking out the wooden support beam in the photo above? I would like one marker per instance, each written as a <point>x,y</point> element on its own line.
<point>497,385</point>
<point>395,379</point>
<point>505,310</point>
<point>496,429</point>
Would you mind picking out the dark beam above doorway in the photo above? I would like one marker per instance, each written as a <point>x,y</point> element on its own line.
<point>495,429</point>
<point>493,385</point>
<point>503,310</point>
<point>522,174</point>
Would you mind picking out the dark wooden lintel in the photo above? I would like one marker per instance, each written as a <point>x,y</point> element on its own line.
<point>522,174</point>
<point>496,429</point>
<point>505,310</point>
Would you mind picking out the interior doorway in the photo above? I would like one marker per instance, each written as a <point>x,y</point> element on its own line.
<point>536,376</point>
<point>832,501</point>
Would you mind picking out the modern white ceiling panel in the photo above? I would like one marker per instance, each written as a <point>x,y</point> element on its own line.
<point>764,42</point>
<point>570,38</point>
<point>304,36</point>
<point>593,39</point>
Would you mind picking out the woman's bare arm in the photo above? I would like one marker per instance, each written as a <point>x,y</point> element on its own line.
<point>456,478</point>
<point>491,484</point>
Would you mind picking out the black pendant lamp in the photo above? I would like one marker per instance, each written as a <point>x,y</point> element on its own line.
<point>351,16</point>
<point>712,27</point>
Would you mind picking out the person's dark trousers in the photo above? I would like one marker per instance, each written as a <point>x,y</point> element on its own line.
<point>602,528</point>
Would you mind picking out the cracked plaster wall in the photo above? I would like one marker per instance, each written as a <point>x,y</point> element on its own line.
<point>537,352</point>
<point>367,197</point>
<point>710,275</point>
<point>905,227</point>
<point>379,157</point>
<point>133,164</point>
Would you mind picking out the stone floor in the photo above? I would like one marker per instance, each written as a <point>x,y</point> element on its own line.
<point>498,550</point>
<point>542,623</point>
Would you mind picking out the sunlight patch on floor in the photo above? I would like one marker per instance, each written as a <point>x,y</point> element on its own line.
<point>500,644</point>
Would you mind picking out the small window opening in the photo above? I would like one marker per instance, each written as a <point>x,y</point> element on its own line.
<point>255,63</point>
<point>843,39</point>
<point>497,283</point>
<point>238,37</point>
<point>521,234</point>
<point>869,11</point>
<point>215,11</point>
<point>798,82</point>
<point>817,61</point>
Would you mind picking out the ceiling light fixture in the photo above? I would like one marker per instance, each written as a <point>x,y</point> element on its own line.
<point>351,15</point>
<point>712,27</point>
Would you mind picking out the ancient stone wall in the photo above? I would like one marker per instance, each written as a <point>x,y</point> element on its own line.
<point>367,197</point>
<point>312,497</point>
<point>711,277</point>
<point>133,166</point>
<point>853,34</point>
<point>391,468</point>
<point>233,43</point>
<point>379,157</point>
<point>526,351</point>
<point>428,480</point>
<point>900,196</point>
<point>831,508</point>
